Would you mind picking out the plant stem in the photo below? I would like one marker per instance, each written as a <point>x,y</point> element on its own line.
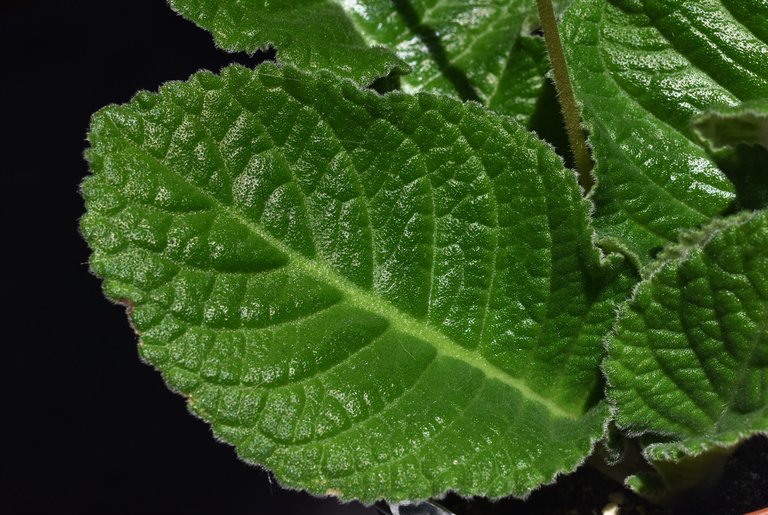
<point>568,105</point>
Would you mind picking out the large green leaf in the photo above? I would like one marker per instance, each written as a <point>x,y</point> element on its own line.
<point>643,69</point>
<point>472,50</point>
<point>373,296</point>
<point>689,359</point>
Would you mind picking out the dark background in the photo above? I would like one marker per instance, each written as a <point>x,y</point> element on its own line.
<point>87,427</point>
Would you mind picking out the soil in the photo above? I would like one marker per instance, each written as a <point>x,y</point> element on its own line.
<point>743,488</point>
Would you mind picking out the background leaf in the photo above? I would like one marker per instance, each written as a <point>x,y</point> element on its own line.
<point>689,359</point>
<point>373,296</point>
<point>458,48</point>
<point>520,87</point>
<point>475,50</point>
<point>642,70</point>
<point>312,34</point>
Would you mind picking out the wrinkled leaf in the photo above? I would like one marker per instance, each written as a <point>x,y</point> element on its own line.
<point>689,358</point>
<point>643,69</point>
<point>473,50</point>
<point>372,296</point>
<point>459,48</point>
<point>312,34</point>
<point>728,126</point>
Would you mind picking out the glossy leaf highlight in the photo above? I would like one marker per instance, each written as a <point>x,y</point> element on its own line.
<point>643,69</point>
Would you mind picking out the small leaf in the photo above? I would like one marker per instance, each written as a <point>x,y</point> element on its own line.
<point>312,34</point>
<point>729,126</point>
<point>373,296</point>
<point>643,69</point>
<point>689,358</point>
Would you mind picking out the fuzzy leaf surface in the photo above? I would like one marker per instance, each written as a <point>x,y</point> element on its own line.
<point>689,359</point>
<point>473,50</point>
<point>373,296</point>
<point>642,69</point>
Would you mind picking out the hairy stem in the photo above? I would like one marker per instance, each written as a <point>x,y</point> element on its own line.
<point>568,104</point>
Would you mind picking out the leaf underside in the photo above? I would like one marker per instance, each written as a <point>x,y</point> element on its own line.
<point>371,296</point>
<point>729,126</point>
<point>642,69</point>
<point>689,359</point>
<point>473,50</point>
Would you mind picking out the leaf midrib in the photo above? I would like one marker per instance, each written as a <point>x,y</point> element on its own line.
<point>367,301</point>
<point>401,321</point>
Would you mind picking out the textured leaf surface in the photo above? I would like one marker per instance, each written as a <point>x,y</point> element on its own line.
<point>470,50</point>
<point>372,296</point>
<point>643,69</point>
<point>312,34</point>
<point>729,126</point>
<point>474,50</point>
<point>689,360</point>
<point>459,48</point>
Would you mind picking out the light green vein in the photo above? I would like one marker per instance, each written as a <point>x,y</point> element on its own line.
<point>370,302</point>
<point>399,320</point>
<point>403,322</point>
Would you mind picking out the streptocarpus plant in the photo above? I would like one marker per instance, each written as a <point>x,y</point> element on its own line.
<point>389,296</point>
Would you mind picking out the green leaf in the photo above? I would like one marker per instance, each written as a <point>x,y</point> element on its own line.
<point>455,48</point>
<point>373,296</point>
<point>472,50</point>
<point>728,126</point>
<point>689,358</point>
<point>643,69</point>
<point>312,34</point>
<point>520,87</point>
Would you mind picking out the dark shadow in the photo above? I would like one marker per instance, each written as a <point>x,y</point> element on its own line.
<point>431,40</point>
<point>255,59</point>
<point>655,251</point>
<point>547,121</point>
<point>747,168</point>
<point>390,82</point>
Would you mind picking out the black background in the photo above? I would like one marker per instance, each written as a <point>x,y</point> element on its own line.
<point>88,428</point>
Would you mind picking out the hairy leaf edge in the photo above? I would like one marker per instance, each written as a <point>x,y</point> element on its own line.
<point>674,253</point>
<point>605,258</point>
